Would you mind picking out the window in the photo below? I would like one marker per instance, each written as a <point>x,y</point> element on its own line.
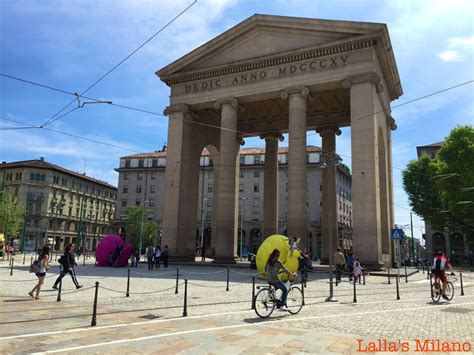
<point>139,176</point>
<point>154,163</point>
<point>241,174</point>
<point>257,159</point>
<point>55,179</point>
<point>256,174</point>
<point>125,176</point>
<point>140,163</point>
<point>256,188</point>
<point>125,189</point>
<point>255,216</point>
<point>256,202</point>
<point>208,216</point>
<point>241,188</point>
<point>209,203</point>
<point>209,188</point>
<point>321,187</point>
<point>151,202</point>
<point>139,189</point>
<point>127,163</point>
<point>38,208</point>
<point>152,189</point>
<point>137,202</point>
<point>18,176</point>
<point>242,160</point>
<point>153,176</point>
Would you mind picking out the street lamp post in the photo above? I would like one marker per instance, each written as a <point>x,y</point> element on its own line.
<point>141,228</point>
<point>241,224</point>
<point>329,160</point>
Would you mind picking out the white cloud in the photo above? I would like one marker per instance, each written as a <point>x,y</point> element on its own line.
<point>450,56</point>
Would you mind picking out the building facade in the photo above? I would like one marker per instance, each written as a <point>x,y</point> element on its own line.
<point>61,206</point>
<point>141,182</point>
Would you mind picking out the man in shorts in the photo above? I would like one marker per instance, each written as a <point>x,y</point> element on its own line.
<point>440,264</point>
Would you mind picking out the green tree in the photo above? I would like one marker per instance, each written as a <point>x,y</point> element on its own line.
<point>441,190</point>
<point>137,223</point>
<point>11,214</point>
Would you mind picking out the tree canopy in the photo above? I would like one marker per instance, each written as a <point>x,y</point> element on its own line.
<point>137,223</point>
<point>11,214</point>
<point>441,190</point>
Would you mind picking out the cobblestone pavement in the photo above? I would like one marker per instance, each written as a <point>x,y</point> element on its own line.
<point>219,321</point>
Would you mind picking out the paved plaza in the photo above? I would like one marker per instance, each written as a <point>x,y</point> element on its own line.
<point>219,321</point>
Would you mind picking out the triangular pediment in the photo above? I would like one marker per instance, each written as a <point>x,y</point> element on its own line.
<point>262,36</point>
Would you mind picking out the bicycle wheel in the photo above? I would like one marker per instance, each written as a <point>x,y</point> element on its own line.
<point>435,292</point>
<point>449,290</point>
<point>294,300</point>
<point>264,303</point>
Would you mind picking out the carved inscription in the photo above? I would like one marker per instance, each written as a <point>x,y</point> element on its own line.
<point>281,71</point>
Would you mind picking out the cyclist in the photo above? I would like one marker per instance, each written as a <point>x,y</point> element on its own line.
<point>272,271</point>
<point>441,263</point>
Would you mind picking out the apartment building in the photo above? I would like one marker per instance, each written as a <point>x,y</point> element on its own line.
<point>141,182</point>
<point>61,206</point>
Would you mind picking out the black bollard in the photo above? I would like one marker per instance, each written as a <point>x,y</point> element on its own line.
<point>24,258</point>
<point>94,309</point>
<point>253,292</point>
<point>11,269</point>
<point>398,291</point>
<point>31,262</point>
<point>363,278</point>
<point>305,276</point>
<point>427,273</point>
<point>388,274</point>
<point>177,278</point>
<point>355,292</point>
<point>423,268</point>
<point>59,290</point>
<point>185,310</point>
<point>406,275</point>
<point>84,260</point>
<point>56,256</point>
<point>228,272</point>
<point>302,292</point>
<point>462,288</point>
<point>128,283</point>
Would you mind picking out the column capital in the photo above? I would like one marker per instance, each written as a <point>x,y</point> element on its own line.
<point>176,108</point>
<point>300,90</point>
<point>232,101</point>
<point>369,77</point>
<point>391,123</point>
<point>329,128</point>
<point>272,136</point>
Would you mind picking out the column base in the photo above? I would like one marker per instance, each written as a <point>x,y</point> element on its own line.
<point>223,260</point>
<point>180,258</point>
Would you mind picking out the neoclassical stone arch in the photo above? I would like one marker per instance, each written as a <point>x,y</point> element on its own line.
<point>271,75</point>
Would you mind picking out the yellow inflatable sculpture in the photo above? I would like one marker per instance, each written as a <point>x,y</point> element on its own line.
<point>281,243</point>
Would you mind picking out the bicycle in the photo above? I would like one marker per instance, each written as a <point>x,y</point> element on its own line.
<point>436,289</point>
<point>267,298</point>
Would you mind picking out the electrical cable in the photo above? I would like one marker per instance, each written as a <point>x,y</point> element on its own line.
<point>55,118</point>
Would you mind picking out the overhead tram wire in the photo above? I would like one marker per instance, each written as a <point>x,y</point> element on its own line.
<point>245,134</point>
<point>55,116</point>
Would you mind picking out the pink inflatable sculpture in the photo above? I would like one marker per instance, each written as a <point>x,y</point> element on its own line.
<point>107,254</point>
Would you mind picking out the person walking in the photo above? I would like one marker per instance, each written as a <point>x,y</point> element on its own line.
<point>164,257</point>
<point>150,253</point>
<point>67,262</point>
<point>157,257</point>
<point>350,264</point>
<point>339,260</point>
<point>41,274</point>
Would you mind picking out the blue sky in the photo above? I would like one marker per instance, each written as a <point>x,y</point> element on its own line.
<point>70,44</point>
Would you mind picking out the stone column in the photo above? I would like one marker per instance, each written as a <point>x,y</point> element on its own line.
<point>328,135</point>
<point>227,212</point>
<point>270,180</point>
<point>181,182</point>
<point>297,162</point>
<point>365,109</point>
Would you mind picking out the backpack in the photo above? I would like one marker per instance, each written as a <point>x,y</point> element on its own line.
<point>35,267</point>
<point>62,260</point>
